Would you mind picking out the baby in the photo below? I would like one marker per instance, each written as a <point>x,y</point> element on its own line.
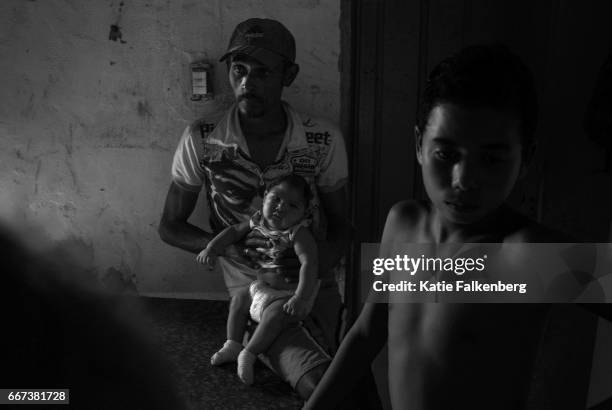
<point>269,300</point>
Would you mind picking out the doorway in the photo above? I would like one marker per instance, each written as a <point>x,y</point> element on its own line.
<point>388,47</point>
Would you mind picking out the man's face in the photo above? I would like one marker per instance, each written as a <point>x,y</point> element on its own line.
<point>283,206</point>
<point>256,86</point>
<point>470,158</point>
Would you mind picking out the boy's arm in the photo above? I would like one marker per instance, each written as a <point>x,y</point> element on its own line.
<point>351,363</point>
<point>368,335</point>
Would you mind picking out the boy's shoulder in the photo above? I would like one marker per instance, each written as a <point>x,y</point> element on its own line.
<point>410,211</point>
<point>407,218</point>
<point>526,230</point>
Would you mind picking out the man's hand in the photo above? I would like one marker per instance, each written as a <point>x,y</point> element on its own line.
<point>254,244</point>
<point>297,307</point>
<point>243,255</point>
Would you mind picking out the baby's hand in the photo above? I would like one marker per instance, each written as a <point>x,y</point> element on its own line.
<point>297,307</point>
<point>207,257</point>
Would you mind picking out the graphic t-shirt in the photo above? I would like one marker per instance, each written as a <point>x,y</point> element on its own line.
<point>214,156</point>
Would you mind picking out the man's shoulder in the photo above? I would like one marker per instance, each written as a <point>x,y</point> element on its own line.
<point>319,131</point>
<point>204,126</point>
<point>313,123</point>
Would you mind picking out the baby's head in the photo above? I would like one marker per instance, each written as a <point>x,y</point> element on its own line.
<point>286,201</point>
<point>475,132</point>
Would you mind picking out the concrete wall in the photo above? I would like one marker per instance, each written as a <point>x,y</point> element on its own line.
<point>89,119</point>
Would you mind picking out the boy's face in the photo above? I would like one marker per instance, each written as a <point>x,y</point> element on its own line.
<point>256,86</point>
<point>470,159</point>
<point>283,206</point>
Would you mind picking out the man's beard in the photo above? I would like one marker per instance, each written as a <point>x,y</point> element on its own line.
<point>251,106</point>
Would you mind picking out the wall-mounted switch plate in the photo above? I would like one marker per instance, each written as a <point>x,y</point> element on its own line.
<point>200,81</point>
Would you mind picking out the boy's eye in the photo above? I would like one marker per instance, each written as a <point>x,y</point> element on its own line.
<point>445,155</point>
<point>492,159</point>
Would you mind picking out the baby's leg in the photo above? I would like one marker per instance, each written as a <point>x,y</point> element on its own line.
<point>238,314</point>
<point>272,322</point>
<point>236,326</point>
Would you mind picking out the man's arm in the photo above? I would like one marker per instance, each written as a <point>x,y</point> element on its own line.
<point>334,206</point>
<point>174,228</point>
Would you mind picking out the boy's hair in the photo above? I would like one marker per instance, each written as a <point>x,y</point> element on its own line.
<point>295,181</point>
<point>484,76</point>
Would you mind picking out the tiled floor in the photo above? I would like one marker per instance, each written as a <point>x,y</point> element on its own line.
<point>191,331</point>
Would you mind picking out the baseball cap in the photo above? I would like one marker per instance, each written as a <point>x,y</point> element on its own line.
<point>266,40</point>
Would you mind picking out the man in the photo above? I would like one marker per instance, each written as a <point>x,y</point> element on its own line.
<point>258,140</point>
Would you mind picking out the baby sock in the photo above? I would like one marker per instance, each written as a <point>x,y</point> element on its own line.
<point>246,361</point>
<point>228,353</point>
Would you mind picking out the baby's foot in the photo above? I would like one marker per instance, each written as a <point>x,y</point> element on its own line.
<point>228,353</point>
<point>246,361</point>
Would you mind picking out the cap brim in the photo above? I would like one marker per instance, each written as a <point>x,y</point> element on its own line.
<point>266,57</point>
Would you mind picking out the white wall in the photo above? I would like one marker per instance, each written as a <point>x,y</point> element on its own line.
<point>88,125</point>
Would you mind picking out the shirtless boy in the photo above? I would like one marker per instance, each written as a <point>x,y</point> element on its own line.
<point>474,139</point>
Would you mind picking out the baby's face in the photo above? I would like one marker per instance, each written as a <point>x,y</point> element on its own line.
<point>471,159</point>
<point>283,206</point>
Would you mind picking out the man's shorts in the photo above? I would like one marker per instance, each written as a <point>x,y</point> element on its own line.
<point>300,347</point>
